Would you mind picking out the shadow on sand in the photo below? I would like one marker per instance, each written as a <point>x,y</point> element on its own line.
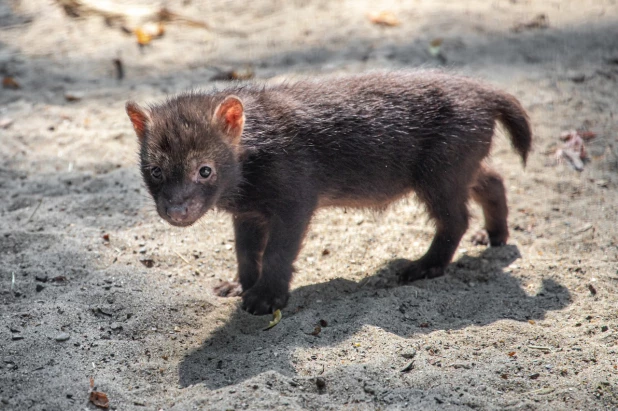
<point>475,291</point>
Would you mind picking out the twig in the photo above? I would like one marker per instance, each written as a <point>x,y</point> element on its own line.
<point>35,210</point>
<point>188,262</point>
<point>182,258</point>
<point>540,348</point>
<point>12,280</point>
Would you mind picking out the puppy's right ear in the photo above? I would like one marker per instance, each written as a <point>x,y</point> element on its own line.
<point>139,117</point>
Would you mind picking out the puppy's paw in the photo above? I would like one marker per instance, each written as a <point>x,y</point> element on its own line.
<point>416,270</point>
<point>260,300</point>
<point>228,289</point>
<point>480,238</point>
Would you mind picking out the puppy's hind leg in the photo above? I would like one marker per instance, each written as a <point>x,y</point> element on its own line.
<point>488,191</point>
<point>448,208</point>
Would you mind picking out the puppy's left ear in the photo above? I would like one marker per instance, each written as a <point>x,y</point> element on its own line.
<point>140,119</point>
<point>229,117</point>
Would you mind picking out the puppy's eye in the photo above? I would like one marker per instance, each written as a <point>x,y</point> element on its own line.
<point>205,172</point>
<point>156,173</point>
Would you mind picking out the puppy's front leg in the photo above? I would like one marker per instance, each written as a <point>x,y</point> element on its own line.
<point>286,232</point>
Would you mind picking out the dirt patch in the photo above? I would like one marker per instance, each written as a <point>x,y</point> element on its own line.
<point>93,284</point>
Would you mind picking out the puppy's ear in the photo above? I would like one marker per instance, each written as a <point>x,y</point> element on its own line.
<point>229,116</point>
<point>139,117</point>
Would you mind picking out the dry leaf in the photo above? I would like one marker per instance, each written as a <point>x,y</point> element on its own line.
<point>10,82</point>
<point>99,399</point>
<point>532,322</point>
<point>316,331</point>
<point>276,318</point>
<point>512,354</point>
<point>540,21</point>
<point>384,18</point>
<point>243,74</point>
<point>573,148</point>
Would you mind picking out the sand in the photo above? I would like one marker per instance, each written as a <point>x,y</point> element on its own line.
<point>104,289</point>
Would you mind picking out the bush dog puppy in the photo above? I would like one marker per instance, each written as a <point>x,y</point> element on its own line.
<point>272,155</point>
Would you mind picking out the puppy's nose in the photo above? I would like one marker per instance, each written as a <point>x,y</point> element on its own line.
<point>178,213</point>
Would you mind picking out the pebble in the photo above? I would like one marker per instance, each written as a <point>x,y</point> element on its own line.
<point>62,337</point>
<point>408,353</point>
<point>39,288</point>
<point>320,382</point>
<point>116,327</point>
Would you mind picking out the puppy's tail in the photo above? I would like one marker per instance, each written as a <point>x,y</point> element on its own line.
<point>513,116</point>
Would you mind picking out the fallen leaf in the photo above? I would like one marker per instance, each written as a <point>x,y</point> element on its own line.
<point>99,399</point>
<point>6,122</point>
<point>119,68</point>
<point>540,21</point>
<point>10,82</point>
<point>231,75</point>
<point>384,18</point>
<point>512,354</point>
<point>276,318</point>
<point>573,148</point>
<point>593,290</point>
<point>59,279</point>
<point>143,37</point>
<point>435,47</point>
<point>146,33</point>
<point>408,367</point>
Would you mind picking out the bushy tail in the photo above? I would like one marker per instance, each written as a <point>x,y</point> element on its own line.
<point>513,116</point>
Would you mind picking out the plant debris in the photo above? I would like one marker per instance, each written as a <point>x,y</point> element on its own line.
<point>540,21</point>
<point>316,331</point>
<point>98,398</point>
<point>10,83</point>
<point>573,149</point>
<point>593,290</point>
<point>384,18</point>
<point>119,68</point>
<point>234,75</point>
<point>408,367</point>
<point>540,348</point>
<point>276,318</point>
<point>146,33</point>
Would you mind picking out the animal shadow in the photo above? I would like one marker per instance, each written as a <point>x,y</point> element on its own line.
<point>476,290</point>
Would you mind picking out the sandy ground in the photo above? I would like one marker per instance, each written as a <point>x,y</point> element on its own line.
<point>533,325</point>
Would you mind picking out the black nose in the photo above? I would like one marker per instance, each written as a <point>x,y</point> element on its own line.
<point>177,213</point>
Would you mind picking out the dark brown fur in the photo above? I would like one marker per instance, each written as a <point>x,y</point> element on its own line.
<point>277,153</point>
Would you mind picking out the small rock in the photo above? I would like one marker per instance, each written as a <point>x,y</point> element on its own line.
<point>148,262</point>
<point>408,353</point>
<point>17,337</point>
<point>73,95</point>
<point>6,122</point>
<point>143,250</point>
<point>320,383</point>
<point>39,288</point>
<point>62,337</point>
<point>534,376</point>
<point>116,327</point>
<point>604,328</point>
<point>41,278</point>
